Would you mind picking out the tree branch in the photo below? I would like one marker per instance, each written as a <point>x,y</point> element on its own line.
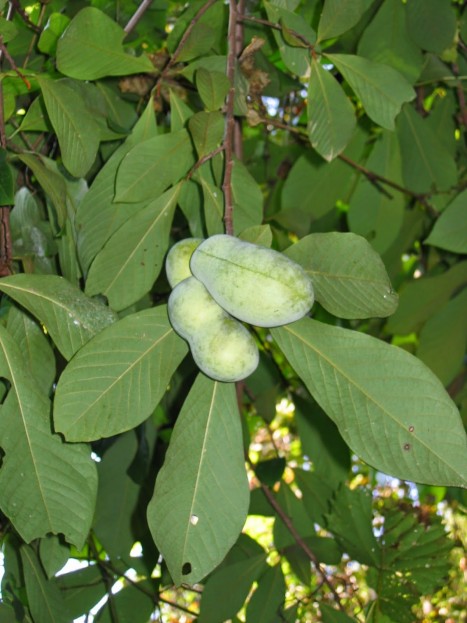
<point>274,26</point>
<point>182,42</point>
<point>9,58</point>
<point>24,16</point>
<point>137,15</point>
<point>300,542</point>
<point>230,121</point>
<point>178,606</point>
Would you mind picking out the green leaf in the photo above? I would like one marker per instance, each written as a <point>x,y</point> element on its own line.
<point>53,184</point>
<point>91,48</point>
<point>348,276</point>
<point>432,24</point>
<point>206,130</point>
<point>426,163</point>
<point>268,597</point>
<point>93,226</point>
<point>179,112</point>
<point>339,16</point>
<point>53,553</point>
<point>153,165</point>
<point>317,491</point>
<point>331,615</point>
<point>372,213</point>
<point>247,197</point>
<point>450,230</point>
<point>8,30</point>
<point>296,59</point>
<point>69,316</point>
<point>115,506</point>
<point>381,89</point>
<point>227,589</point>
<point>213,206</point>
<point>423,297</point>
<point>295,509</point>
<point>34,458</point>
<point>201,495</point>
<point>350,520</point>
<point>442,340</point>
<point>131,260</point>
<point>82,589</point>
<point>321,442</point>
<point>213,87</point>
<point>389,407</point>
<point>45,601</point>
<point>115,382</point>
<point>7,182</point>
<point>257,234</point>
<point>77,132</point>
<point>36,119</point>
<point>32,342</point>
<point>331,117</point>
<point>52,32</point>
<point>135,603</point>
<point>386,40</point>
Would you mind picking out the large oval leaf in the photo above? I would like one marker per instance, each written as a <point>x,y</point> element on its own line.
<point>201,496</point>
<point>348,276</point>
<point>389,407</point>
<point>47,486</point>
<point>69,316</point>
<point>116,381</point>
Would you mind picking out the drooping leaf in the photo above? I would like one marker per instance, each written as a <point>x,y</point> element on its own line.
<point>381,89</point>
<point>349,277</point>
<point>247,197</point>
<point>36,461</point>
<point>69,316</point>
<point>206,130</point>
<point>227,588</point>
<point>296,58</point>
<point>135,603</point>
<point>53,184</point>
<point>396,414</point>
<point>201,495</point>
<point>212,87</point>
<point>45,601</point>
<point>91,48</point>
<point>132,258</point>
<point>7,182</point>
<point>386,40</point>
<point>331,117</point>
<point>338,16</point>
<point>77,132</point>
<point>82,589</point>
<point>426,163</point>
<point>450,230</point>
<point>94,226</point>
<point>116,381</point>
<point>373,214</point>
<point>432,24</point>
<point>115,505</point>
<point>53,553</point>
<point>442,340</point>
<point>32,342</point>
<point>268,597</point>
<point>423,297</point>
<point>152,165</point>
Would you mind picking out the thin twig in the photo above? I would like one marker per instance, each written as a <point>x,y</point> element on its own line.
<point>108,580</point>
<point>274,26</point>
<point>24,16</point>
<point>178,606</point>
<point>36,35</point>
<point>173,59</point>
<point>460,96</point>
<point>138,14</point>
<point>202,160</point>
<point>230,121</point>
<point>12,63</point>
<point>300,542</point>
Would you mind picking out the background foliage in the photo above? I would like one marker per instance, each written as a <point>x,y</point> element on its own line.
<point>331,130</point>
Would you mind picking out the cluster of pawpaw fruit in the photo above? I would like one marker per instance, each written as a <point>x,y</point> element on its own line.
<point>222,281</point>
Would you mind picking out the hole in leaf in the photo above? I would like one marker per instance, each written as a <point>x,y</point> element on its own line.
<point>411,429</point>
<point>186,568</point>
<point>194,520</point>
<point>407,446</point>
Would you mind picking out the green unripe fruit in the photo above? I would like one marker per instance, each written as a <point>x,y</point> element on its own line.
<point>177,263</point>
<point>253,283</point>
<point>221,347</point>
